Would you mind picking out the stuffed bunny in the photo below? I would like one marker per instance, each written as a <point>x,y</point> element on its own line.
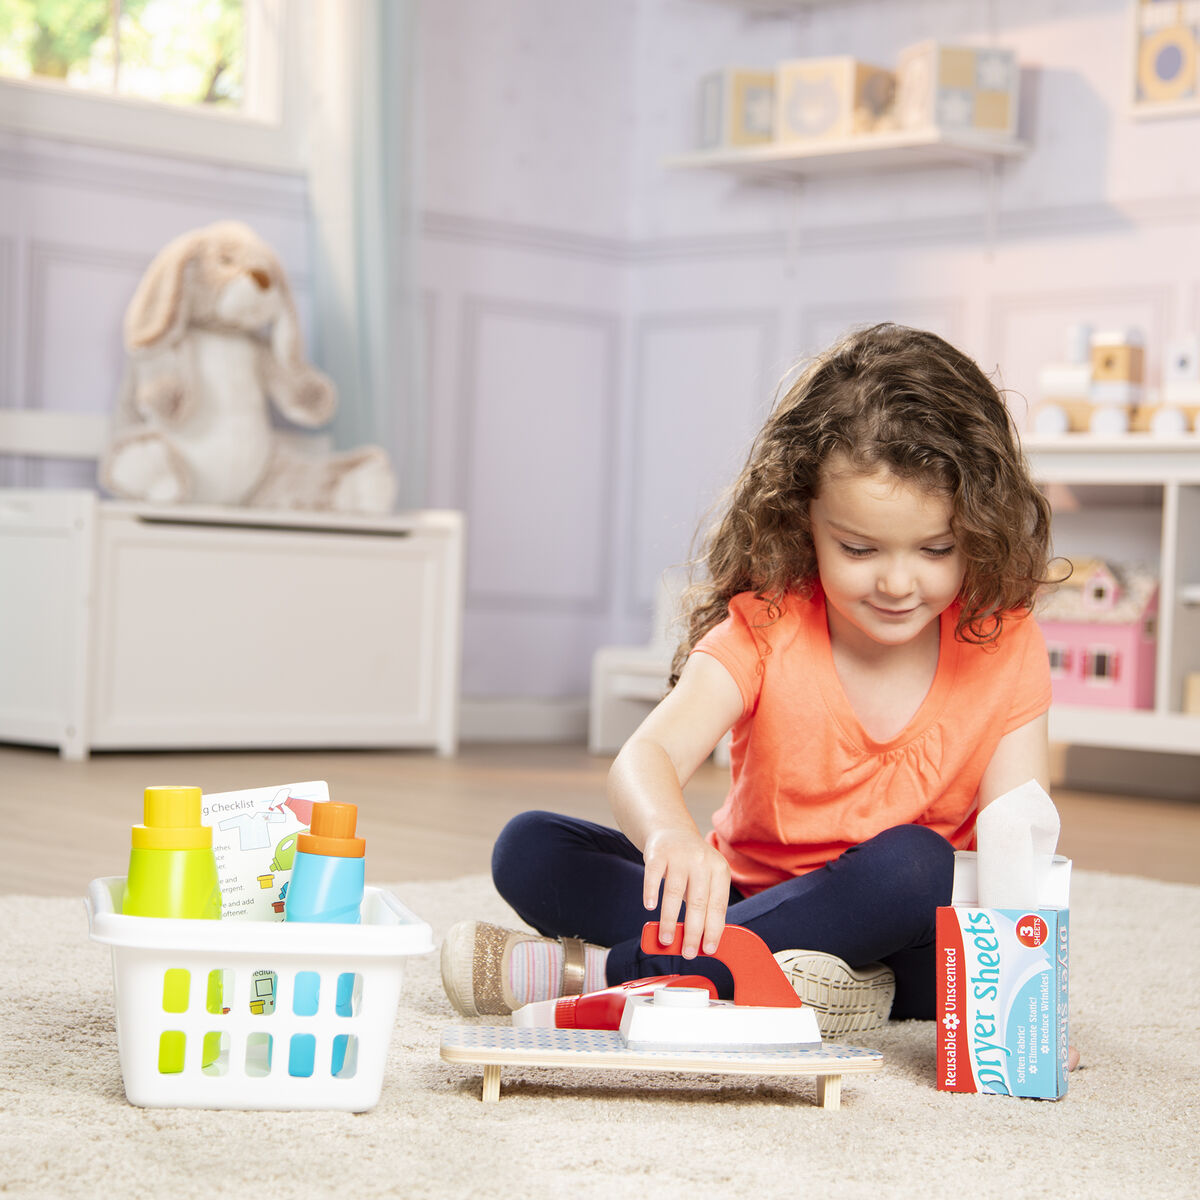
<point>212,334</point>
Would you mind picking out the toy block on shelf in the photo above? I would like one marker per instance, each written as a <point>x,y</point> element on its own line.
<point>828,99</point>
<point>1181,364</point>
<point>1118,357</point>
<point>737,108</point>
<point>1117,391</point>
<point>1064,405</point>
<point>971,89</point>
<point>1180,409</point>
<point>1100,390</point>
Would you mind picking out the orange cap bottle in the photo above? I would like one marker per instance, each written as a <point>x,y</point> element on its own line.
<point>332,832</point>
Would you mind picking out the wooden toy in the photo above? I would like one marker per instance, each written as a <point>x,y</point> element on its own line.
<point>757,978</point>
<point>1100,631</point>
<point>1101,390</point>
<point>827,99</point>
<point>1181,363</point>
<point>1064,406</point>
<point>766,1012</point>
<point>1180,409</point>
<point>758,983</point>
<point>1117,387</point>
<point>960,88</point>
<point>737,108</point>
<point>496,1047</point>
<point>1118,357</point>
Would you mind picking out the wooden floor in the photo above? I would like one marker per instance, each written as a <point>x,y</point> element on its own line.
<point>425,817</point>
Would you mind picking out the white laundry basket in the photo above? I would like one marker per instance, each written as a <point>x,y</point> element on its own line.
<point>243,1043</point>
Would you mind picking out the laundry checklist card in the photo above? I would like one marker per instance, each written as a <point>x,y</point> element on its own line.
<point>254,840</point>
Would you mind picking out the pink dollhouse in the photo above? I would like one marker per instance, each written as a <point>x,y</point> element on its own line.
<point>1100,629</point>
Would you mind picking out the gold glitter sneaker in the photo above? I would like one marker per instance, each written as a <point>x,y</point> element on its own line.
<point>846,999</point>
<point>475,967</point>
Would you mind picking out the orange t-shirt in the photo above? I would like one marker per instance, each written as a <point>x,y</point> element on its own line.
<point>809,782</point>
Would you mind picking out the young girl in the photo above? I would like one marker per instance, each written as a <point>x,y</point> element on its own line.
<point>864,631</point>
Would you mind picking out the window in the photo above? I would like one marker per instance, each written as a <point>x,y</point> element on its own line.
<point>161,50</point>
<point>1060,658</point>
<point>1100,665</point>
<point>204,78</point>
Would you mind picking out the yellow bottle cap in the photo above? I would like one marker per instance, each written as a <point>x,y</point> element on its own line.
<point>172,820</point>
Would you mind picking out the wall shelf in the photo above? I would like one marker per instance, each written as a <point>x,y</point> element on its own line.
<point>1163,733</point>
<point>867,152</point>
<point>1134,458</point>
<point>775,8</point>
<point>1131,464</point>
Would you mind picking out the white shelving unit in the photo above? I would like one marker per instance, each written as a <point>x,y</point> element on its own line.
<point>1145,491</point>
<point>868,152</point>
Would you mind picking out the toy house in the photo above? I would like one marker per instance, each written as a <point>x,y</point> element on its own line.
<point>1100,628</point>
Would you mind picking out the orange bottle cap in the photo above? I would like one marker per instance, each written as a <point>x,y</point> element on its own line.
<point>332,831</point>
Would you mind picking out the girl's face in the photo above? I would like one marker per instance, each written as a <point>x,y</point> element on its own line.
<point>886,556</point>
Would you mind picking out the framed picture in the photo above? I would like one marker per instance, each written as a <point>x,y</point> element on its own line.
<point>1166,49</point>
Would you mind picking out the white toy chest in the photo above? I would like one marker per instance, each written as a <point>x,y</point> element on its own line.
<point>250,1064</point>
<point>130,627</point>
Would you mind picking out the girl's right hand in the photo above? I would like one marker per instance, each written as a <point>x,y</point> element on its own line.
<point>689,871</point>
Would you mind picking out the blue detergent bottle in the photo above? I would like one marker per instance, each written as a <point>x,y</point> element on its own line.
<point>326,886</point>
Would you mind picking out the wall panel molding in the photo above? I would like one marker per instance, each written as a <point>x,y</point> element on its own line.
<point>512,235</point>
<point>969,226</point>
<point>43,257</point>
<point>154,178</point>
<point>12,471</point>
<point>1075,304</point>
<point>476,312</point>
<point>942,314</point>
<point>426,308</point>
<point>639,594</point>
<point>8,290</point>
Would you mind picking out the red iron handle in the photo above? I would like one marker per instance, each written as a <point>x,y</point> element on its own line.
<point>758,980</point>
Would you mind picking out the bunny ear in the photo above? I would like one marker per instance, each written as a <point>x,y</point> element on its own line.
<point>159,308</point>
<point>285,334</point>
<point>301,393</point>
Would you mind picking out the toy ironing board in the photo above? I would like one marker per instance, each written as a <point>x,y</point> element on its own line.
<point>758,982</point>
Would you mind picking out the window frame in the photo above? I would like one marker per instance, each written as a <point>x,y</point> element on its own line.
<point>271,139</point>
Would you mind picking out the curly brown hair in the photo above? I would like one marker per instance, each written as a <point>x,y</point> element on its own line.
<point>907,401</point>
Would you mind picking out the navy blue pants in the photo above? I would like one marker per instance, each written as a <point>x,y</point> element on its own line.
<point>875,903</point>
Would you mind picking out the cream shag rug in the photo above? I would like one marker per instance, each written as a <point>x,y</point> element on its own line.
<point>1129,1126</point>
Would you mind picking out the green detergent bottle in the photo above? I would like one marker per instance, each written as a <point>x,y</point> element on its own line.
<point>173,873</point>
